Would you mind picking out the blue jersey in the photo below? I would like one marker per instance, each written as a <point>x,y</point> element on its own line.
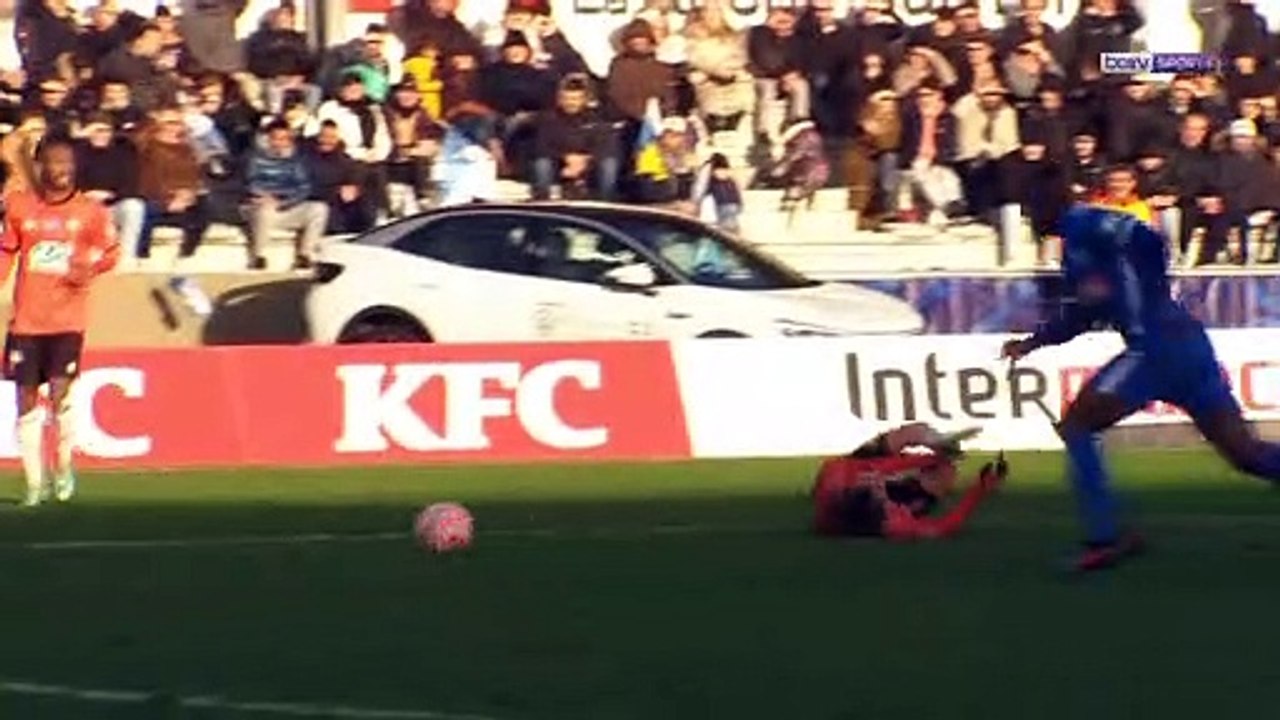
<point>1130,259</point>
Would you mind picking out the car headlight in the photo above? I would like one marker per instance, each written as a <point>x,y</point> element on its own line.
<point>790,328</point>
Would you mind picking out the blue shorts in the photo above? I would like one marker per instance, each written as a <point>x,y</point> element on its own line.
<point>1185,374</point>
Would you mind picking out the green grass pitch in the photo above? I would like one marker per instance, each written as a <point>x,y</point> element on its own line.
<point>607,592</point>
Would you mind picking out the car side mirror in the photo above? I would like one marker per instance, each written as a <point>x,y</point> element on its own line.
<point>636,276</point>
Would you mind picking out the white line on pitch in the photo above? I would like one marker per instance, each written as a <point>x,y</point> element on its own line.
<point>327,538</point>
<point>133,697</point>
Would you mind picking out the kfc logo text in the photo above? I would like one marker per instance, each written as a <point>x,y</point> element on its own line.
<point>378,412</point>
<point>92,439</point>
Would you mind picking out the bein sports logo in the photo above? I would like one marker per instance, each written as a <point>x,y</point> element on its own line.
<point>1143,63</point>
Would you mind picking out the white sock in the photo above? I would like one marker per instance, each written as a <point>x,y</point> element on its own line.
<point>31,446</point>
<point>66,434</point>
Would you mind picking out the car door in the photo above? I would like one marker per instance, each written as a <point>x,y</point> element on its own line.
<point>579,257</point>
<point>483,285</point>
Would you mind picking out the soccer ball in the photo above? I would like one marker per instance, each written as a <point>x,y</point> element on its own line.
<point>444,527</point>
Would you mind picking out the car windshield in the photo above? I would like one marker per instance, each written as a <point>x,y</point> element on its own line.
<point>703,256</point>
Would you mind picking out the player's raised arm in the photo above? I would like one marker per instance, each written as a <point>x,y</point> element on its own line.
<point>901,524</point>
<point>10,241</point>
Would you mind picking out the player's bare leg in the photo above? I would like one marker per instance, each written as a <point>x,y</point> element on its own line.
<point>31,445</point>
<point>1236,442</point>
<point>60,399</point>
<point>1081,430</point>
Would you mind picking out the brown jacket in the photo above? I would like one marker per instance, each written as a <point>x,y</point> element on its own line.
<point>165,168</point>
<point>879,127</point>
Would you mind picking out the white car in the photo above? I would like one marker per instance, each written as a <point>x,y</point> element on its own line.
<point>574,271</point>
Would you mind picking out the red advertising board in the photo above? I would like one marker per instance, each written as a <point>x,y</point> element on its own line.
<point>370,404</point>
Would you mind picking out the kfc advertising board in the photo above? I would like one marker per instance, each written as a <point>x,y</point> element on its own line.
<point>363,405</point>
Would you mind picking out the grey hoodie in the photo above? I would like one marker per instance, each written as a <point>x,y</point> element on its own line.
<point>209,27</point>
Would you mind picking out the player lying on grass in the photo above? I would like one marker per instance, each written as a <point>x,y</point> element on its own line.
<point>60,241</point>
<point>892,486</point>
<point>1115,274</point>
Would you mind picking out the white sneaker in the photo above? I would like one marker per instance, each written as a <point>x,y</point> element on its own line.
<point>65,486</point>
<point>192,296</point>
<point>33,498</point>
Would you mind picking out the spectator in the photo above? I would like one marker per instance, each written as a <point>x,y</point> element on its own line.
<point>553,50</point>
<point>372,65</point>
<point>722,85</point>
<point>280,198</point>
<point>209,27</point>
<point>636,75</point>
<point>942,35</point>
<point>872,156</point>
<point>1087,166</point>
<point>461,83</point>
<point>803,168</point>
<point>219,99</point>
<point>336,180</point>
<point>876,26</point>
<point>18,150</point>
<point>1246,77</point>
<point>969,20</point>
<point>53,103</point>
<point>1180,102</point>
<point>175,55</point>
<point>12,86</point>
<point>1249,184</point>
<point>109,29</point>
<point>423,67</point>
<point>665,168</point>
<point>517,91</point>
<point>1103,26</point>
<point>415,141</point>
<point>107,171</point>
<point>1027,68</point>
<point>1041,181</point>
<point>1120,191</point>
<point>982,66</point>
<point>1155,185</point>
<point>928,149</point>
<point>1195,174</point>
<point>1053,119</point>
<point>1027,24</point>
<point>721,192</point>
<point>1247,31</point>
<point>46,30</point>
<point>986,138</point>
<point>135,64</point>
<point>469,156</point>
<point>1134,117</point>
<point>116,100</point>
<point>830,52</point>
<point>776,61</point>
<point>573,146</point>
<point>171,180</point>
<point>421,22</point>
<point>363,128</point>
<point>281,57</point>
<point>922,63</point>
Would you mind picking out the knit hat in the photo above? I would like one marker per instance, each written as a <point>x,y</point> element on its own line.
<point>1244,128</point>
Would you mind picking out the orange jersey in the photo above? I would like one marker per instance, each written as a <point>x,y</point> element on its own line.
<point>58,248</point>
<point>1137,207</point>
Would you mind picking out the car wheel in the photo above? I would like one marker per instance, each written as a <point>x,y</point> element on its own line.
<point>385,331</point>
<point>722,334</point>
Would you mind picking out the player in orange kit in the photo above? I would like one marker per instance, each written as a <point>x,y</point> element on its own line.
<point>60,241</point>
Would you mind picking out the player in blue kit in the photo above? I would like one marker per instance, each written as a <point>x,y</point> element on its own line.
<point>1115,275</point>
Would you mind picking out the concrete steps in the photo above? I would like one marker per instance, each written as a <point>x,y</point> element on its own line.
<point>822,241</point>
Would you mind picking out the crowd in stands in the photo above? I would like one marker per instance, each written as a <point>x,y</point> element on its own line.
<point>182,125</point>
